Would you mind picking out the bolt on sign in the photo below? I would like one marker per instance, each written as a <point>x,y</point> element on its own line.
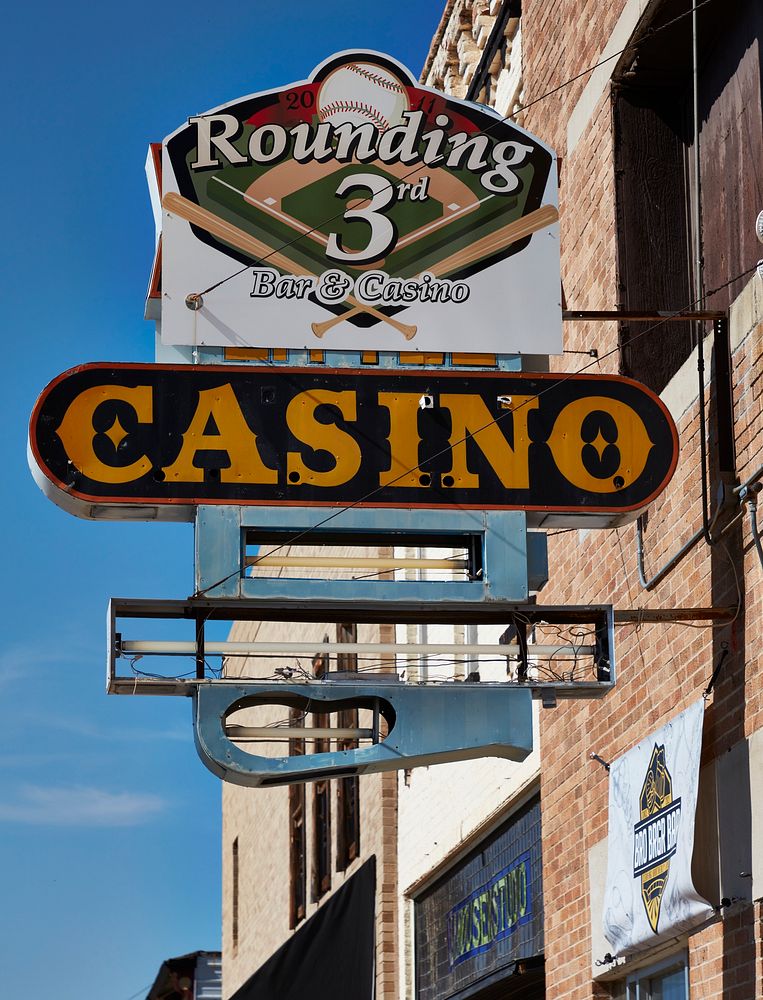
<point>154,441</point>
<point>359,210</point>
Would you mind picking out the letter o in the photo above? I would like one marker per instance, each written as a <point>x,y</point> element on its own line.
<point>566,444</point>
<point>257,143</point>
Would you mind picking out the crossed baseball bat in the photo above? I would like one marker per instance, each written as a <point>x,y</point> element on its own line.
<point>542,217</point>
<point>213,224</point>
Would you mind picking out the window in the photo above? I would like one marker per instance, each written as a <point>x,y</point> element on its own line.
<point>321,875</point>
<point>322,839</point>
<point>348,789</point>
<point>667,981</point>
<point>234,893</point>
<point>663,207</point>
<point>297,846</point>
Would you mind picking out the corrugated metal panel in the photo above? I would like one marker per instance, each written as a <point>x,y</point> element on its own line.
<point>209,978</point>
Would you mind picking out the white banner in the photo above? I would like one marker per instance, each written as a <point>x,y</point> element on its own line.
<point>652,803</point>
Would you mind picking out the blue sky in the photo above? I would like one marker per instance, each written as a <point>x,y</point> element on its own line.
<point>109,823</point>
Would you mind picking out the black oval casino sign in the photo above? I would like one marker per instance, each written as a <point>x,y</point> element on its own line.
<point>109,439</point>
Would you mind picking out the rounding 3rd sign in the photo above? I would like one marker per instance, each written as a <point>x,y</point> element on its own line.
<point>359,210</point>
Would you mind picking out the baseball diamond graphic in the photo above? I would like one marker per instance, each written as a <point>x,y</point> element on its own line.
<point>357,169</point>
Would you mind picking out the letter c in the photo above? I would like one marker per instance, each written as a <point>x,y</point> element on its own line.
<point>369,285</point>
<point>77,432</point>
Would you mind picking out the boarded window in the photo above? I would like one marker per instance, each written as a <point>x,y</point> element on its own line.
<point>348,789</point>
<point>297,841</point>
<point>660,200</point>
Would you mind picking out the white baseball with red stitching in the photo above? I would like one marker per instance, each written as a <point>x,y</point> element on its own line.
<point>359,93</point>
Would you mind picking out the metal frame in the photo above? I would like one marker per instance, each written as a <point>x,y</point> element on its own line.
<point>291,357</point>
<point>425,727</point>
<point>427,723</point>
<point>508,562</point>
<point>518,617</point>
<point>677,962</point>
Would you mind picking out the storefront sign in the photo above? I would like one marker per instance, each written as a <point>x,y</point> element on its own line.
<point>492,912</point>
<point>485,915</point>
<point>359,210</point>
<point>105,437</point>
<point>652,801</point>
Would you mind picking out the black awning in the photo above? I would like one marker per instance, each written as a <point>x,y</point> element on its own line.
<point>331,955</point>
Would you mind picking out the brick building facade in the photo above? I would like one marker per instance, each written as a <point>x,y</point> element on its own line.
<point>600,124</point>
<point>643,198</point>
<point>653,218</point>
<point>275,840</point>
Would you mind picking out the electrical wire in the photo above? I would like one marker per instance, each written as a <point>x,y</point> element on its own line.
<point>752,510</point>
<point>541,667</point>
<point>736,583</point>
<point>500,120</point>
<point>470,435</point>
<point>140,992</point>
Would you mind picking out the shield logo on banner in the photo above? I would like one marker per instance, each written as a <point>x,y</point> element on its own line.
<point>650,894</point>
<point>655,836</point>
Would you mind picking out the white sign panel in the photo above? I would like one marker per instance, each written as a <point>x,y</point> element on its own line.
<point>652,803</point>
<point>357,210</point>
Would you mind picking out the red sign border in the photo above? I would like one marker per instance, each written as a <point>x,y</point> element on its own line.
<point>377,373</point>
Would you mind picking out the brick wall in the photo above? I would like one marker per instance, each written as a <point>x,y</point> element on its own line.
<point>459,47</point>
<point>661,669</point>
<point>259,819</point>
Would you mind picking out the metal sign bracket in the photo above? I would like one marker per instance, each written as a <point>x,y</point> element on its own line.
<point>425,726</point>
<point>397,722</point>
<point>506,562</point>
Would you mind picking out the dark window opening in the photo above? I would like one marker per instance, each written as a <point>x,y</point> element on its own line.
<point>657,189</point>
<point>297,841</point>
<point>348,789</point>
<point>234,893</point>
<point>321,867</point>
<point>322,839</point>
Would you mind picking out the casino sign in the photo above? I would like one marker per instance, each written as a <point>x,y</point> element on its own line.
<point>358,210</point>
<point>155,441</point>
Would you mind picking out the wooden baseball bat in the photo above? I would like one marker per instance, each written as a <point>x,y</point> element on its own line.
<point>319,329</point>
<point>512,232</point>
<point>544,216</point>
<point>213,224</point>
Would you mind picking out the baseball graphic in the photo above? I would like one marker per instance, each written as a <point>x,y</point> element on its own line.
<point>360,93</point>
